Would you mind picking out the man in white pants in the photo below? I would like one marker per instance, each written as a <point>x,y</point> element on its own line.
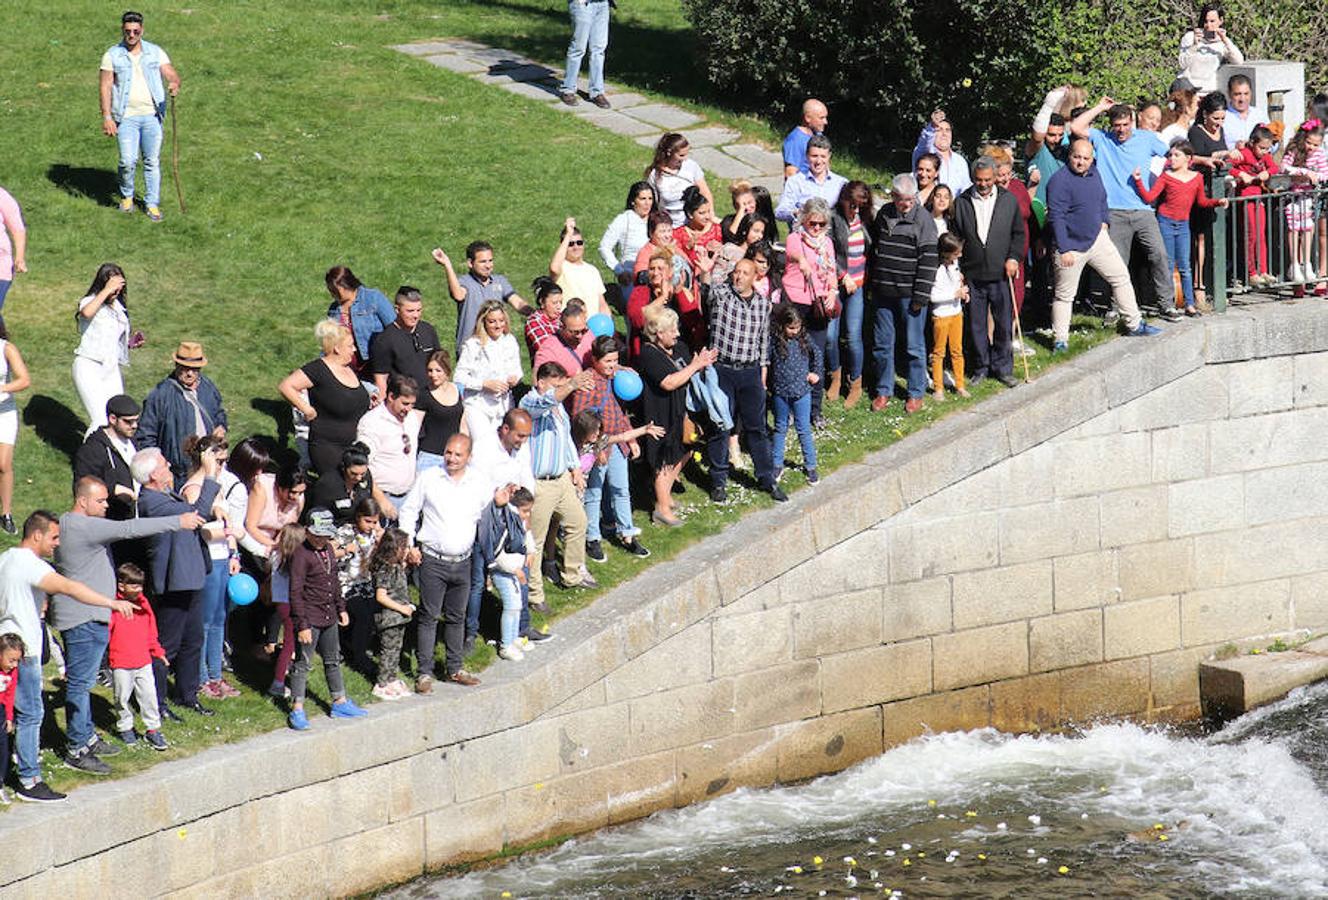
<point>1078,215</point>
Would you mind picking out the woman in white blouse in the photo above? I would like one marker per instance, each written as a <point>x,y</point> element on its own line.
<point>103,347</point>
<point>489,367</point>
<point>671,172</point>
<point>1205,48</point>
<point>628,232</point>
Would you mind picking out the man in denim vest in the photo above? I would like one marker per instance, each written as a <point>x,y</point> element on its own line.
<point>133,106</point>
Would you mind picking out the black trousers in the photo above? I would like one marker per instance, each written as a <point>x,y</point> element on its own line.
<point>356,637</point>
<point>746,396</point>
<point>445,591</point>
<point>180,630</point>
<point>996,358</point>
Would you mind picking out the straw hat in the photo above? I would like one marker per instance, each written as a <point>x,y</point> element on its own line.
<point>190,355</point>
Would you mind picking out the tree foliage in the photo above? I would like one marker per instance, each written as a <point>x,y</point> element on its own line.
<point>883,65</point>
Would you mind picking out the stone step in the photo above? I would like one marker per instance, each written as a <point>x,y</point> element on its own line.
<point>664,115</point>
<point>1231,687</point>
<point>767,162</point>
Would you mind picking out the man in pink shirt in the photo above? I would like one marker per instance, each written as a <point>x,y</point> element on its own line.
<point>391,431</point>
<point>570,346</point>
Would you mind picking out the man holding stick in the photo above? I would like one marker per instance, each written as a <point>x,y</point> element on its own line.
<point>133,108</point>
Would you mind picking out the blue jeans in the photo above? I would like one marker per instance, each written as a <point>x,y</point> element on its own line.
<point>28,712</point>
<point>509,591</point>
<point>135,134</point>
<point>215,609</point>
<point>802,419</point>
<point>590,28</point>
<point>476,598</point>
<point>894,315</point>
<point>85,645</point>
<point>849,324</point>
<point>1176,238</point>
<point>612,474</point>
<point>4,290</point>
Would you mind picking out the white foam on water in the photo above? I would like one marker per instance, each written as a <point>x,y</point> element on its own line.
<point>1256,820</point>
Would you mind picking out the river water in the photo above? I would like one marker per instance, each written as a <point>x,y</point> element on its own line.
<point>1116,810</point>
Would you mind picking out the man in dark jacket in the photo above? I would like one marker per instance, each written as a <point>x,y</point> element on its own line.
<point>105,455</point>
<point>185,403</point>
<point>989,221</point>
<point>903,267</point>
<point>179,562</point>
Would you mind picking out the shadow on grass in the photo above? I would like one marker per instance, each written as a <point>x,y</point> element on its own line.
<point>98,185</point>
<point>56,424</point>
<point>279,447</point>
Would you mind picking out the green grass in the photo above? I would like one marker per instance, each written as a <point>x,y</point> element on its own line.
<point>306,142</point>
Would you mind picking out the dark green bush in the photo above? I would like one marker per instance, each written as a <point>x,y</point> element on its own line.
<point>883,65</point>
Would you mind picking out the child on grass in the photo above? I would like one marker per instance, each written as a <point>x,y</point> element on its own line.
<point>794,361</point>
<point>133,647</point>
<point>504,545</point>
<point>948,296</point>
<point>280,629</point>
<point>356,541</point>
<point>387,569</point>
<point>11,654</point>
<point>317,610</point>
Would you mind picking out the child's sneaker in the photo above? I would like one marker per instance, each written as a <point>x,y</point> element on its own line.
<point>226,689</point>
<point>129,737</point>
<point>279,691</point>
<point>41,792</point>
<point>385,692</point>
<point>211,691</point>
<point>813,477</point>
<point>298,720</point>
<point>155,740</point>
<point>401,689</point>
<point>126,204</point>
<point>345,708</point>
<point>154,213</point>
<point>512,653</point>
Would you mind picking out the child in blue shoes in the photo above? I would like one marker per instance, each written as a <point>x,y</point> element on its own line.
<point>317,611</point>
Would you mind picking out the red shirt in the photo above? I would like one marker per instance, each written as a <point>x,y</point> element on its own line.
<point>600,397</point>
<point>1252,165</point>
<point>539,327</point>
<point>8,686</point>
<point>134,641</point>
<point>682,239</point>
<point>1178,197</point>
<point>640,298</point>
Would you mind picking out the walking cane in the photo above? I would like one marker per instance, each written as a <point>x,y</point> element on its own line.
<point>1018,329</point>
<point>175,156</point>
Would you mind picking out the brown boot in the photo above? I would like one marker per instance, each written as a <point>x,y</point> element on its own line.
<point>832,389</point>
<point>854,393</point>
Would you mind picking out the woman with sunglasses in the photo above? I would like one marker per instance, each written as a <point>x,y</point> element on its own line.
<point>811,282</point>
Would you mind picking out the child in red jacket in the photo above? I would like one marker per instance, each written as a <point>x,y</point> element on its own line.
<point>11,653</point>
<point>133,646</point>
<point>1252,170</point>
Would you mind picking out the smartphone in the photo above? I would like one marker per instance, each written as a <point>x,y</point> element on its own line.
<point>1210,35</point>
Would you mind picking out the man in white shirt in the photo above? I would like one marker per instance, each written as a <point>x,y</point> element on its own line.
<point>133,106</point>
<point>937,136</point>
<point>25,580</point>
<point>1242,113</point>
<point>503,462</point>
<point>391,431</point>
<point>440,515</point>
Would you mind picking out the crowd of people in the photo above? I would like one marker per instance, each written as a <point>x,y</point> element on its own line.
<point>463,466</point>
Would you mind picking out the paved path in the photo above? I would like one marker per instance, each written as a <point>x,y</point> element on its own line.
<point>632,115</point>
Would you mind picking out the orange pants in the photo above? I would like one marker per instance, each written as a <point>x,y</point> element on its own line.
<point>947,330</point>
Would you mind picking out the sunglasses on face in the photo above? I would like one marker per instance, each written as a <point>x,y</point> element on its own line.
<point>815,224</point>
<point>576,243</point>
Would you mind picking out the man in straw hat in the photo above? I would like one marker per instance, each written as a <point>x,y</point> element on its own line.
<point>184,404</point>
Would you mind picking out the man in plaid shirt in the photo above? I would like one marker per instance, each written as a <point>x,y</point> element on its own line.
<point>740,334</point>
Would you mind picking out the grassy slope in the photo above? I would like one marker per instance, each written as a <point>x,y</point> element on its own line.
<point>306,142</point>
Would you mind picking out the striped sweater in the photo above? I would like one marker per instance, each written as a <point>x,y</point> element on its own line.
<point>904,257</point>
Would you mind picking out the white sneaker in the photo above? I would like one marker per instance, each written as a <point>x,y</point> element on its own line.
<point>1297,274</point>
<point>5,798</point>
<point>511,653</point>
<point>385,692</point>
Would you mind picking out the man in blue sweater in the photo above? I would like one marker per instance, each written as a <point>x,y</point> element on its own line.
<point>1078,216</point>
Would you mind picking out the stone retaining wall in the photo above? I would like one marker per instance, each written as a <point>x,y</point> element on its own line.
<point>1070,549</point>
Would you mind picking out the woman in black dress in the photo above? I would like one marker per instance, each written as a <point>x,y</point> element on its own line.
<point>329,394</point>
<point>444,415</point>
<point>666,365</point>
<point>1210,155</point>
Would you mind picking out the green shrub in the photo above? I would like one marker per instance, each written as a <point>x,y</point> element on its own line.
<point>883,65</point>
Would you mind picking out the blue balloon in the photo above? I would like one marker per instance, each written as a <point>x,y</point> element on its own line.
<point>627,385</point>
<point>600,324</point>
<point>242,589</point>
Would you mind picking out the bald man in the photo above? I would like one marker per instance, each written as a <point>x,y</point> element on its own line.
<point>814,119</point>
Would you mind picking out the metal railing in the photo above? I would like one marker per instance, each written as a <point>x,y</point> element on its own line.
<point>1250,242</point>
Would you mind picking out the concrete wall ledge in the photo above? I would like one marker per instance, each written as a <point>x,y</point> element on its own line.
<point>659,604</point>
<point>1231,687</point>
